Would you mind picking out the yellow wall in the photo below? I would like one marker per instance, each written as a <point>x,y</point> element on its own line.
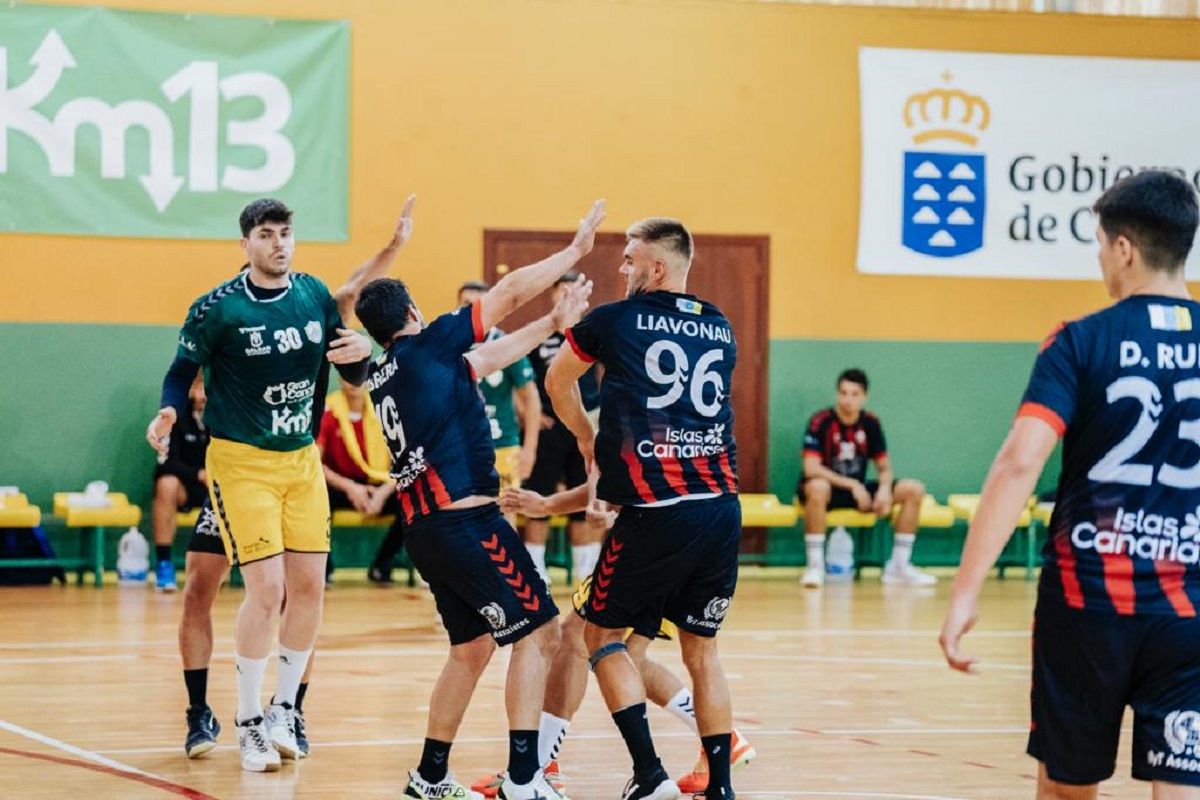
<point>736,117</point>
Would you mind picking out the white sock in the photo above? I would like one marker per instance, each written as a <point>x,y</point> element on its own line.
<point>551,733</point>
<point>538,553</point>
<point>250,674</point>
<point>593,554</point>
<point>292,664</point>
<point>814,544</point>
<point>683,709</point>
<point>902,545</point>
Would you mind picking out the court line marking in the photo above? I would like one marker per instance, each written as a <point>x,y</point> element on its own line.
<point>885,795</point>
<point>616,736</point>
<point>149,780</point>
<point>87,755</point>
<point>66,659</point>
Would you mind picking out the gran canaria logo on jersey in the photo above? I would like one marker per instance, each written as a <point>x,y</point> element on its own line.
<point>945,192</point>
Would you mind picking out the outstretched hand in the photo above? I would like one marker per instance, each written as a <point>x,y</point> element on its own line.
<point>158,432</point>
<point>404,225</point>
<point>585,237</point>
<point>523,501</point>
<point>570,307</point>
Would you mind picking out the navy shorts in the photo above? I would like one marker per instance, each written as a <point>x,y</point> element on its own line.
<point>480,574</point>
<point>840,498</point>
<point>1088,666</point>
<point>677,562</point>
<point>206,538</point>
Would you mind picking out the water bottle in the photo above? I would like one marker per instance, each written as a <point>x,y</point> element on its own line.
<point>133,558</point>
<point>839,558</point>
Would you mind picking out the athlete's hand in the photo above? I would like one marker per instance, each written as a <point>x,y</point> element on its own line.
<point>861,496</point>
<point>585,237</point>
<point>158,432</point>
<point>601,513</point>
<point>526,458</point>
<point>349,348</point>
<point>524,501</point>
<point>570,307</point>
<point>963,615</point>
<point>883,502</point>
<point>360,497</point>
<point>547,422</point>
<point>404,225</point>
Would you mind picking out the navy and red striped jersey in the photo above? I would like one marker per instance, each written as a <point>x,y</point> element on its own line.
<point>432,414</point>
<point>1122,387</point>
<point>846,449</point>
<point>666,420</point>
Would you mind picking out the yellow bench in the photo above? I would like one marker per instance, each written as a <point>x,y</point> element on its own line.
<point>119,513</point>
<point>16,512</point>
<point>766,511</point>
<point>966,506</point>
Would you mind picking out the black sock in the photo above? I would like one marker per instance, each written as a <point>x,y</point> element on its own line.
<point>435,759</point>
<point>635,729</point>
<point>300,695</point>
<point>716,747</point>
<point>522,756</point>
<point>197,686</point>
<point>162,552</point>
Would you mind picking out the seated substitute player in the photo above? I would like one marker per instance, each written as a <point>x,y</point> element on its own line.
<point>264,385</point>
<point>1115,623</point>
<point>668,363</point>
<point>180,482</point>
<point>839,443</point>
<point>510,396</point>
<point>558,460</point>
<point>568,676</point>
<point>480,574</point>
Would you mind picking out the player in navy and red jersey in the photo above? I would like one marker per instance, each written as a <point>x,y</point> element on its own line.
<point>424,390</point>
<point>666,455</point>
<point>1116,621</point>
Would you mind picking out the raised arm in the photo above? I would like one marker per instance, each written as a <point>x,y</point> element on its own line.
<point>377,265</point>
<point>499,353</point>
<point>522,285</point>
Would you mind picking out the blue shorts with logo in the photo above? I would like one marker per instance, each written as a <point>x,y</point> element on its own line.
<point>480,573</point>
<point>677,562</point>
<point>1088,666</point>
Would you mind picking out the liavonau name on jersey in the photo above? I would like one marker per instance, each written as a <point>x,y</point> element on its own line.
<point>1139,534</point>
<point>686,327</point>
<point>683,443</point>
<point>1167,356</point>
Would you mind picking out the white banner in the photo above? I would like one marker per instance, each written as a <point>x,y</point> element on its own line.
<point>984,165</point>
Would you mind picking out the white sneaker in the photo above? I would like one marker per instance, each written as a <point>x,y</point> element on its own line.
<point>906,574</point>
<point>281,729</point>
<point>257,753</point>
<point>448,789</point>
<point>537,789</point>
<point>814,577</point>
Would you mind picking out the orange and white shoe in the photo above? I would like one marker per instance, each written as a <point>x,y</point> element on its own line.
<point>489,786</point>
<point>741,753</point>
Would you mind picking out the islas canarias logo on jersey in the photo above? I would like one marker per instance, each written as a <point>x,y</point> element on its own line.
<point>945,192</point>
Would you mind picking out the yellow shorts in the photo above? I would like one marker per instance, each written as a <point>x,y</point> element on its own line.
<point>508,465</point>
<point>666,628</point>
<point>267,501</point>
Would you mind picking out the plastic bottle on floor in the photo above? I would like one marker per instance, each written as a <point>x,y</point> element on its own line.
<point>839,556</point>
<point>133,558</point>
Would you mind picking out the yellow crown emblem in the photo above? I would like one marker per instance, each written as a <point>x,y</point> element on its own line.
<point>946,114</point>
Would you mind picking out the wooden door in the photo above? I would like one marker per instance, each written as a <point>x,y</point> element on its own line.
<point>730,271</point>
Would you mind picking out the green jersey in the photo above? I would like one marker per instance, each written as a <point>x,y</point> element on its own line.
<point>497,390</point>
<point>262,357</point>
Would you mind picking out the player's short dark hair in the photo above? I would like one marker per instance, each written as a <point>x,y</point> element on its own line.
<point>1156,211</point>
<point>474,286</point>
<point>854,375</point>
<point>670,233</point>
<point>263,210</point>
<point>567,277</point>
<point>383,307</point>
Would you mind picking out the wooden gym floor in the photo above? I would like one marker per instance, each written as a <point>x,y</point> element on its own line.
<point>842,692</point>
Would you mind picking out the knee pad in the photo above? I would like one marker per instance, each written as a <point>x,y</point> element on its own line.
<point>604,652</point>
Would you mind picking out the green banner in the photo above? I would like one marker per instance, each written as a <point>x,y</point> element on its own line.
<point>118,123</point>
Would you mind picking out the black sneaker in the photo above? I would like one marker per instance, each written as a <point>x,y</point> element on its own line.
<point>379,576</point>
<point>203,730</point>
<point>656,786</point>
<point>301,733</point>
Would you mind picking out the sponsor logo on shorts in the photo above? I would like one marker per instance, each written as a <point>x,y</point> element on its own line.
<point>206,525</point>
<point>494,614</point>
<point>313,331</point>
<point>717,608</point>
<point>1181,729</point>
<point>1145,535</point>
<point>257,347</point>
<point>511,629</point>
<point>684,443</point>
